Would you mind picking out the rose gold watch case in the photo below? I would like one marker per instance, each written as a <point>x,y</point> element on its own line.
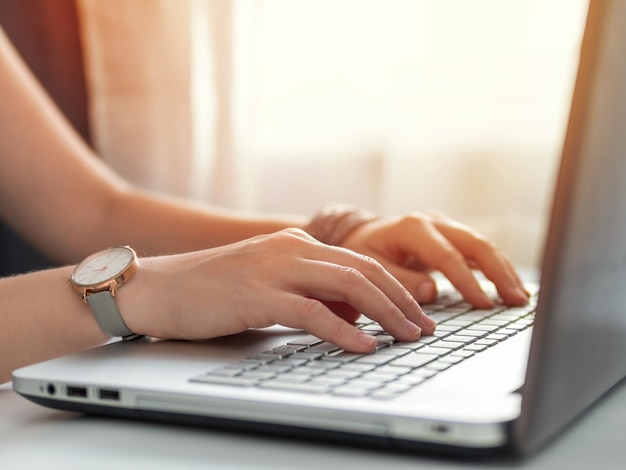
<point>112,283</point>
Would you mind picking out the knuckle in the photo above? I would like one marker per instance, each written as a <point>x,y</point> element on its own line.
<point>349,277</point>
<point>417,224</point>
<point>296,232</point>
<point>436,215</point>
<point>414,219</point>
<point>484,244</point>
<point>363,262</point>
<point>288,236</point>
<point>451,257</point>
<point>368,263</point>
<point>342,330</point>
<point>308,310</point>
<point>407,300</point>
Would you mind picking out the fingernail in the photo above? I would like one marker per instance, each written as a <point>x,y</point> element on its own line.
<point>413,328</point>
<point>429,321</point>
<point>367,341</point>
<point>519,294</point>
<point>425,292</point>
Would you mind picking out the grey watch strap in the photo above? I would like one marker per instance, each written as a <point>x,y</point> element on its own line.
<point>107,315</point>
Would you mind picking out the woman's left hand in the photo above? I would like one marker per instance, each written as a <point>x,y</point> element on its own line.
<point>412,246</point>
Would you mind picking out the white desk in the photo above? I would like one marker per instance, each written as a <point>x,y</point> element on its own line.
<point>33,437</point>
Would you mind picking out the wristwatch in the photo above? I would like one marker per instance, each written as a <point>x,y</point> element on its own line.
<point>97,279</point>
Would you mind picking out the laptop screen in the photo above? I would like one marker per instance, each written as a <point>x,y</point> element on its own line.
<point>583,311</point>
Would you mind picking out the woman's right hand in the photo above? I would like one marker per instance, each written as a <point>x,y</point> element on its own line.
<point>286,278</point>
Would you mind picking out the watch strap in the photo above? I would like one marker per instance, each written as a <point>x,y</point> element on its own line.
<point>108,316</point>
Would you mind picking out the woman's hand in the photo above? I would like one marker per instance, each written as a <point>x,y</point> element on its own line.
<point>411,246</point>
<point>286,278</point>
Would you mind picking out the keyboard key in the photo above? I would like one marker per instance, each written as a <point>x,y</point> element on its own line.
<point>457,338</point>
<point>438,366</point>
<point>309,340</point>
<point>481,327</point>
<point>343,373</point>
<point>287,350</point>
<point>445,344</point>
<point>487,342</point>
<point>227,371</point>
<point>274,367</point>
<point>383,394</point>
<point>224,380</point>
<point>396,371</point>
<point>306,387</point>
<point>347,391</point>
<point>464,353</point>
<point>473,333</point>
<point>325,380</point>
<point>292,378</point>
<point>385,340</point>
<point>462,323</point>
<point>433,351</point>
<point>255,374</point>
<point>323,348</point>
<point>494,322</point>
<point>373,328</point>
<point>397,352</point>
<point>427,339</point>
<point>358,366</point>
<point>413,360</point>
<point>326,365</point>
<point>308,356</point>
<point>375,359</point>
<point>450,359</point>
<point>341,357</point>
<point>448,327</point>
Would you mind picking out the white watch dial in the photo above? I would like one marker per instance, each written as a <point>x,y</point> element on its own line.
<point>103,266</point>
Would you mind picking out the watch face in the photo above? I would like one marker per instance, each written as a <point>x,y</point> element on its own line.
<point>103,266</point>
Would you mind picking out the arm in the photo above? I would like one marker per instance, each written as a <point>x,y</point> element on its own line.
<point>48,169</point>
<point>289,279</point>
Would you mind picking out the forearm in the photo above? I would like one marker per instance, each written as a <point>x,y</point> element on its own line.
<point>59,196</point>
<point>160,224</point>
<point>42,317</point>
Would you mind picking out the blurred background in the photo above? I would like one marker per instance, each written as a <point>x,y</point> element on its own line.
<point>396,105</point>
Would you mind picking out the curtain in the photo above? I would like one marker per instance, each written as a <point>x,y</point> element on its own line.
<point>397,105</point>
<point>137,56</point>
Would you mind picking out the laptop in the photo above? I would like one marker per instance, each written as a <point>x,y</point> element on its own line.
<point>487,381</point>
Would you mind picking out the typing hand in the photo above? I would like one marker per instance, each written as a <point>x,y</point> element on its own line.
<point>286,278</point>
<point>411,246</point>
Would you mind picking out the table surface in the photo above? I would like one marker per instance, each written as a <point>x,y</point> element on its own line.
<point>32,436</point>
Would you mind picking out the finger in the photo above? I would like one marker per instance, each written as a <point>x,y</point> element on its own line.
<point>346,270</point>
<point>377,295</point>
<point>407,301</point>
<point>490,260</point>
<point>313,316</point>
<point>391,287</point>
<point>421,285</point>
<point>343,310</point>
<point>436,251</point>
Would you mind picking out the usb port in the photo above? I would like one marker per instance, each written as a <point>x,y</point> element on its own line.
<point>109,394</point>
<point>77,392</point>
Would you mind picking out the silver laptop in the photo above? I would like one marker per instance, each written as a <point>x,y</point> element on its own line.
<point>488,380</point>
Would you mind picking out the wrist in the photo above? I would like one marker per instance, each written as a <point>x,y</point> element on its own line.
<point>138,301</point>
<point>334,222</point>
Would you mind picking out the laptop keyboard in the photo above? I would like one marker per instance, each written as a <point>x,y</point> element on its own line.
<point>310,365</point>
